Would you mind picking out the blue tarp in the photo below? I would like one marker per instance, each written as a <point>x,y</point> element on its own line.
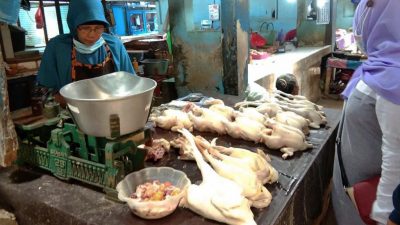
<point>9,11</point>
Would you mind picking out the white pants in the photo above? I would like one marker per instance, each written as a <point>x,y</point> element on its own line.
<point>388,115</point>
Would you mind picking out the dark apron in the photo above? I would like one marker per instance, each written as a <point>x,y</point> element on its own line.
<point>82,71</point>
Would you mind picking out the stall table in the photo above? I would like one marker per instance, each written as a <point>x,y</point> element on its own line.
<point>334,63</point>
<point>299,197</point>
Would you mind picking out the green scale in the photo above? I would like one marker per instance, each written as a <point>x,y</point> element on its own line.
<point>57,145</point>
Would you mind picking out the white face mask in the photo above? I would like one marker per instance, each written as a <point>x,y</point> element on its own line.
<point>359,30</point>
<point>86,49</point>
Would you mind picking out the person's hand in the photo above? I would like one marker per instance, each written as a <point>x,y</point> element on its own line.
<point>60,99</point>
<point>389,222</point>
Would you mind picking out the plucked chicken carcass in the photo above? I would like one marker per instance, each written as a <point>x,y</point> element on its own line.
<point>287,139</point>
<point>244,128</point>
<point>296,99</point>
<point>290,96</point>
<point>294,120</point>
<point>206,120</point>
<point>267,108</point>
<point>213,101</point>
<point>315,117</point>
<point>237,170</point>
<point>225,111</point>
<point>283,102</point>
<point>216,198</point>
<point>257,162</point>
<point>172,119</point>
<point>303,107</point>
<point>254,114</point>
<point>218,106</point>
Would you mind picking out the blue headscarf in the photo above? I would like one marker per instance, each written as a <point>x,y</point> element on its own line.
<point>55,67</point>
<point>381,37</point>
<point>83,11</point>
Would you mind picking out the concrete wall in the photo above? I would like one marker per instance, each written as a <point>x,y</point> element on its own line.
<point>217,61</point>
<point>163,4</point>
<point>192,50</point>
<point>210,61</point>
<point>345,13</point>
<point>261,12</point>
<point>309,33</point>
<point>201,13</point>
<point>235,45</point>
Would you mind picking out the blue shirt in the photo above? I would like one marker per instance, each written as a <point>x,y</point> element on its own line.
<point>395,215</point>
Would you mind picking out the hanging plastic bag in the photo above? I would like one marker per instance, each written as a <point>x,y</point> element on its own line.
<point>257,40</point>
<point>39,18</point>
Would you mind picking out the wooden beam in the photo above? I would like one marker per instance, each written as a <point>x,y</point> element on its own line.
<point>6,43</point>
<point>46,37</point>
<point>59,21</point>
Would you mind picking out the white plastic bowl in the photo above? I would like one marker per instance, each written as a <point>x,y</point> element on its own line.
<point>152,209</point>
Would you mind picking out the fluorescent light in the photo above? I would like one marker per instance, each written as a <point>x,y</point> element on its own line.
<point>321,3</point>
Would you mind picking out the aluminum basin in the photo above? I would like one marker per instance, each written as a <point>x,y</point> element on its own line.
<point>110,105</point>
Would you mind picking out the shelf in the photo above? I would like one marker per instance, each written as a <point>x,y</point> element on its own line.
<point>23,59</point>
<point>22,74</point>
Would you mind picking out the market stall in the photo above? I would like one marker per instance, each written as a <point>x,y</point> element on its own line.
<point>299,196</point>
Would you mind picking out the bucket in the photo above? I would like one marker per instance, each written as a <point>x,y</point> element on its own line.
<point>154,67</point>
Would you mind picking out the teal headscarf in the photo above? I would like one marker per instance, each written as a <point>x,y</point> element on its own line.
<point>9,11</point>
<point>84,11</point>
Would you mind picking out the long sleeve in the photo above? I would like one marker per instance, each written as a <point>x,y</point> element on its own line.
<point>55,66</point>
<point>125,61</point>
<point>120,55</point>
<point>47,75</point>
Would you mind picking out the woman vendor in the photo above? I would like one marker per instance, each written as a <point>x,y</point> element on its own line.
<point>85,52</point>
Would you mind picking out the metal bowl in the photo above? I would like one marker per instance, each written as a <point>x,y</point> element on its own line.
<point>110,105</point>
<point>152,209</point>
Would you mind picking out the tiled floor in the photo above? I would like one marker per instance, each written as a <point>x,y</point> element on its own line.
<point>330,217</point>
<point>330,102</point>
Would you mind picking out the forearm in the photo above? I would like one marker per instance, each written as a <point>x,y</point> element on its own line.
<point>60,99</point>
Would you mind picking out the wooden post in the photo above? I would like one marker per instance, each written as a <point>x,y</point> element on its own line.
<point>59,20</point>
<point>8,136</point>
<point>6,43</point>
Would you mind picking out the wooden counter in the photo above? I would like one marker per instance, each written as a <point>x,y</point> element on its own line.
<point>36,197</point>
